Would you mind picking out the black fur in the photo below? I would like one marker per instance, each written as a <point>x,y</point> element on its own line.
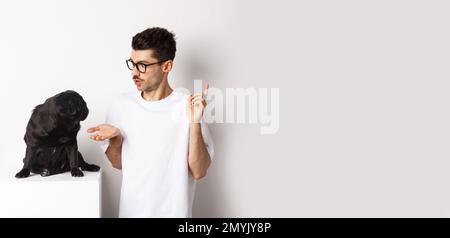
<point>51,137</point>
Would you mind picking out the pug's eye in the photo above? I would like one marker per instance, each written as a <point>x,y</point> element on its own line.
<point>64,110</point>
<point>68,111</point>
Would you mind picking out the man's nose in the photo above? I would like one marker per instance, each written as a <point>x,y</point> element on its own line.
<point>135,72</point>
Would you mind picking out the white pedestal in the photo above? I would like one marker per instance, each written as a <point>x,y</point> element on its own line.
<point>54,196</point>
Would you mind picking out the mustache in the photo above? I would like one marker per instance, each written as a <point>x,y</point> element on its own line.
<point>137,78</point>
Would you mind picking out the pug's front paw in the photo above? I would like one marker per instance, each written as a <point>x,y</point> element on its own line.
<point>76,172</point>
<point>23,173</point>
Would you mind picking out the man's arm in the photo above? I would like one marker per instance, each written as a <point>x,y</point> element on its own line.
<point>114,151</point>
<point>198,159</point>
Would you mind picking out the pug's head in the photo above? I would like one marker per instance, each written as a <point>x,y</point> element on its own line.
<point>70,106</point>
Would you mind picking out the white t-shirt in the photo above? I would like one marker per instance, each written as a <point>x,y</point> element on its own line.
<point>156,181</point>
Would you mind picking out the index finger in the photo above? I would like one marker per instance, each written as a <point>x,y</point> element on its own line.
<point>93,129</point>
<point>205,89</point>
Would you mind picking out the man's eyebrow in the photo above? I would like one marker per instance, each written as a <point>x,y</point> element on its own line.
<point>143,61</point>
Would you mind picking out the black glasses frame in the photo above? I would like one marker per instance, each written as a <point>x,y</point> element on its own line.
<point>129,61</point>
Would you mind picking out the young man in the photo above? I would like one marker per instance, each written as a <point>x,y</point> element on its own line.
<point>155,136</point>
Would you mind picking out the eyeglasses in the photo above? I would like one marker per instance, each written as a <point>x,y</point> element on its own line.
<point>141,67</point>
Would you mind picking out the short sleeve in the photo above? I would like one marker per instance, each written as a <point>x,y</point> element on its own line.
<point>207,139</point>
<point>112,118</point>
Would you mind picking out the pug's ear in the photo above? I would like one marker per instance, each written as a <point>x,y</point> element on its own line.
<point>84,111</point>
<point>52,121</point>
<point>49,116</point>
<point>42,123</point>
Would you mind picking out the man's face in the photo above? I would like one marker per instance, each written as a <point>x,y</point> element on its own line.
<point>153,75</point>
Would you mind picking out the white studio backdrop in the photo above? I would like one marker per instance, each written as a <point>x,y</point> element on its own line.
<point>363,96</point>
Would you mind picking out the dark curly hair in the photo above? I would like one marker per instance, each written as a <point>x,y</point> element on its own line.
<point>160,40</point>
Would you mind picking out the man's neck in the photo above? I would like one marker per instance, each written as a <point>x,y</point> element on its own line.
<point>161,92</point>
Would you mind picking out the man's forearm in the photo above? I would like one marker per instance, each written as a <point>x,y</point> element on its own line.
<point>114,151</point>
<point>199,159</point>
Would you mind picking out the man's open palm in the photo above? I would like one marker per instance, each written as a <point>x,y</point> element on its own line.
<point>103,132</point>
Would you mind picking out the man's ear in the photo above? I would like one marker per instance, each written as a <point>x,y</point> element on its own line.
<point>167,66</point>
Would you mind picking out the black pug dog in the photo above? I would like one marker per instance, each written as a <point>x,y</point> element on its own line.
<point>51,137</point>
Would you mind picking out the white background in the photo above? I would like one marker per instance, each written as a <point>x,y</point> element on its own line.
<point>364,117</point>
